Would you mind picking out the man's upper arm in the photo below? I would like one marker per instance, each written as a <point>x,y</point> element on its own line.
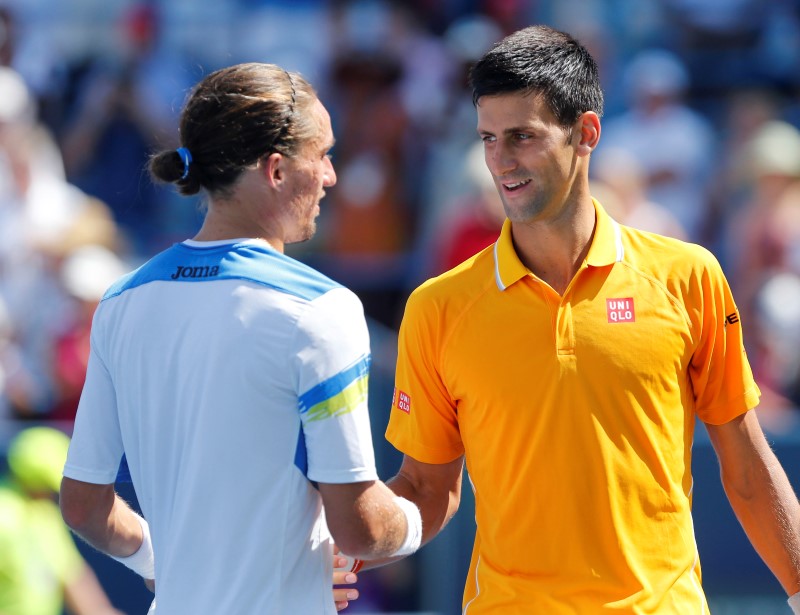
<point>740,445</point>
<point>81,502</point>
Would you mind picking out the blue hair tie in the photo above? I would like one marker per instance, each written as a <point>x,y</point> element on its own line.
<point>186,156</point>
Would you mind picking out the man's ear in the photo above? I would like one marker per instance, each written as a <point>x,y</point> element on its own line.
<point>589,133</point>
<point>275,169</point>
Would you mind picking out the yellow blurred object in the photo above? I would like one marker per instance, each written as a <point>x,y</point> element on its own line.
<point>36,458</point>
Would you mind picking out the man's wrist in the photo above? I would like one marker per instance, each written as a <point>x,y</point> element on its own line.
<point>413,538</point>
<point>142,562</point>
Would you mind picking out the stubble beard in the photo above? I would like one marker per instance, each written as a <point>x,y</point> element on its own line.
<point>527,211</point>
<point>305,233</point>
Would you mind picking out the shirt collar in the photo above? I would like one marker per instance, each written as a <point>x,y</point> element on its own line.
<point>606,249</point>
<point>193,243</point>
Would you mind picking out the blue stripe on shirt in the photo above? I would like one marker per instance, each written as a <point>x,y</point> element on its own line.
<point>256,263</point>
<point>335,384</point>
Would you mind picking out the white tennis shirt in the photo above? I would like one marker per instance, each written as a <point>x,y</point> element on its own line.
<point>231,376</point>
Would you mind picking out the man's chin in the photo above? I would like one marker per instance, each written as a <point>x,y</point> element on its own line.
<point>307,234</point>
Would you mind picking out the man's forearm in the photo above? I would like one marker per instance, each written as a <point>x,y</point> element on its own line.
<point>434,488</point>
<point>761,495</point>
<point>100,517</point>
<point>770,515</point>
<point>436,512</point>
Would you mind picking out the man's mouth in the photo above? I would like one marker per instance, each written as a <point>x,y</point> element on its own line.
<point>516,185</point>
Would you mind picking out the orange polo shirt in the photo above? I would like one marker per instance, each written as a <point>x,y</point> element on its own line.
<point>576,416</point>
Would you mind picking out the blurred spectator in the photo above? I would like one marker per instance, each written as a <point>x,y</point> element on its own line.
<point>34,199</point>
<point>510,15</point>
<point>86,273</point>
<point>776,346</point>
<point>764,234</point>
<point>367,226</point>
<point>7,36</point>
<point>745,113</point>
<point>125,108</point>
<point>619,172</point>
<point>674,144</point>
<point>41,569</point>
<point>719,39</point>
<point>295,34</point>
<point>30,52</point>
<point>41,218</point>
<point>15,384</point>
<point>473,221</point>
<point>762,247</point>
<point>446,179</point>
<point>427,68</point>
<point>778,53</point>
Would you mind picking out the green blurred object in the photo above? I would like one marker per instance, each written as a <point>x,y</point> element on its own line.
<point>36,458</point>
<point>38,557</point>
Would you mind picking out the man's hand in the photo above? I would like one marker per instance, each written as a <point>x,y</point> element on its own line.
<point>342,575</point>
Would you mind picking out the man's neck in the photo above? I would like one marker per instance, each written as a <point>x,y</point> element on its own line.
<point>223,222</point>
<point>555,250</point>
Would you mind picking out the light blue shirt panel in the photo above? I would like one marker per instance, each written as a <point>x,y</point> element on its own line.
<point>245,261</point>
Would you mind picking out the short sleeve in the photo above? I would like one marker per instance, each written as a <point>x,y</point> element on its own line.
<point>720,373</point>
<point>423,422</point>
<point>96,447</point>
<point>332,365</point>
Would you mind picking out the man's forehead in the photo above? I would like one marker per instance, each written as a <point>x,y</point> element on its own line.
<point>518,99</point>
<point>516,108</point>
<point>321,119</point>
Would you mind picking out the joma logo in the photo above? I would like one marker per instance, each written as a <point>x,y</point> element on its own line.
<point>184,272</point>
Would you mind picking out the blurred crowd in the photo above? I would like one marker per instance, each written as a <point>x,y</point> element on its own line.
<point>701,141</point>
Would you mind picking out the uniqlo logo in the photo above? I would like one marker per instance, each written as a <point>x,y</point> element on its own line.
<point>620,310</point>
<point>402,400</point>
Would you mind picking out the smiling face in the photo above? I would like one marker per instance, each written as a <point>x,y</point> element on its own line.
<point>531,157</point>
<point>310,172</point>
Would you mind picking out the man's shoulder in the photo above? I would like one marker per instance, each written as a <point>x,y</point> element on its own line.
<point>658,253</point>
<point>450,295</point>
<point>466,278</point>
<point>234,261</point>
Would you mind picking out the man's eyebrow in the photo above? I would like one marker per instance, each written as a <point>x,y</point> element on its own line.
<point>508,131</point>
<point>515,129</point>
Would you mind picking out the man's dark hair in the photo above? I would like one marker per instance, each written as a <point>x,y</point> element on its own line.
<point>541,61</point>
